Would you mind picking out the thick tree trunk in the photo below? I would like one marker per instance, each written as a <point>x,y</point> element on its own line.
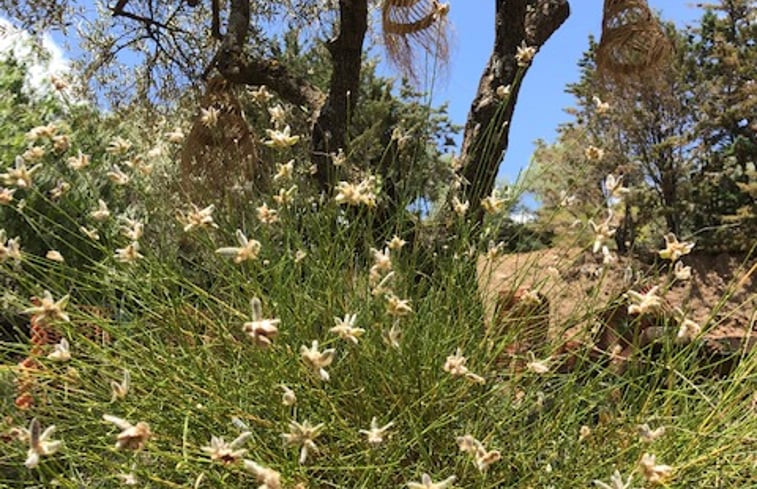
<point>330,128</point>
<point>331,111</point>
<point>487,129</point>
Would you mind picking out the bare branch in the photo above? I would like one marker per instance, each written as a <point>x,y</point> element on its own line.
<point>118,11</point>
<point>237,67</point>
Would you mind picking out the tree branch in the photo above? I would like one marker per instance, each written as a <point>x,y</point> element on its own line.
<point>118,11</point>
<point>237,67</point>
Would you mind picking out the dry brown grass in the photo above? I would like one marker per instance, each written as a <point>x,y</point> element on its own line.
<point>410,26</point>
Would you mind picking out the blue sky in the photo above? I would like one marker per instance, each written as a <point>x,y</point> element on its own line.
<point>542,98</point>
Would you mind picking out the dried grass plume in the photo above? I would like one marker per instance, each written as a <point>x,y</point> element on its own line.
<point>410,26</point>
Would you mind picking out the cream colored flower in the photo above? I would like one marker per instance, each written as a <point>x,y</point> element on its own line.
<point>266,215</point>
<point>687,329</point>
<point>647,434</point>
<point>139,164</point>
<point>41,132</point>
<point>280,139</point>
<point>10,249</point>
<point>503,92</point>
<point>530,297</point>
<point>209,117</point>
<point>566,199</point>
<point>48,309</point>
<point>40,444</point>
<point>608,258</point>
<point>261,331</point>
<point>455,365</point>
<point>592,153</point>
<point>198,218</point>
<point>54,255</point>
<point>60,188</point>
<point>61,351</point>
<point>614,186</point>
<point>91,233</point>
<point>644,303</point>
<point>6,195</point>
<point>227,453</point>
<point>288,397</point>
<point>132,228</point>
<point>117,176</point>
<point>118,146</point>
<point>396,243</point>
<point>128,479</point>
<point>78,162</point>
<point>278,115</point>
<point>601,107</point>
<point>675,249</point>
<point>681,272</point>
<point>19,175</point>
<point>653,472</point>
<point>303,435</point>
<point>538,366</point>
<point>346,330</point>
<point>525,54</point>
<point>383,287</point>
<point>394,336</point>
<point>493,203</point>
<point>397,307</point>
<point>616,482</point>
<point>132,437</point>
<point>427,483</point>
<point>339,158</point>
<point>119,390</point>
<point>584,433</point>
<point>175,136</point>
<point>348,193</point>
<point>128,254</point>
<point>285,196</point>
<point>483,457</point>
<point>269,478</point>
<point>460,208</point>
<point>248,249</point>
<point>376,434</point>
<point>318,360</point>
<point>35,153</point>
<point>261,95</point>
<point>300,255</point>
<point>102,212</point>
<point>602,232</point>
<point>382,264</point>
<point>494,250</point>
<point>364,193</point>
<point>284,171</point>
<point>61,143</point>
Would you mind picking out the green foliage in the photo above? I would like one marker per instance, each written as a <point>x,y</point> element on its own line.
<point>684,146</point>
<point>175,316</point>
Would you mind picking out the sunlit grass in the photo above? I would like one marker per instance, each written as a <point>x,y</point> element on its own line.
<point>176,325</point>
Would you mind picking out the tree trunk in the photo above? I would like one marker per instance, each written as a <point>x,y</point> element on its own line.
<point>487,129</point>
<point>331,111</point>
<point>330,128</point>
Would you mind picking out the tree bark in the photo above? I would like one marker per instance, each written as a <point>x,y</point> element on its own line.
<point>330,128</point>
<point>487,129</point>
